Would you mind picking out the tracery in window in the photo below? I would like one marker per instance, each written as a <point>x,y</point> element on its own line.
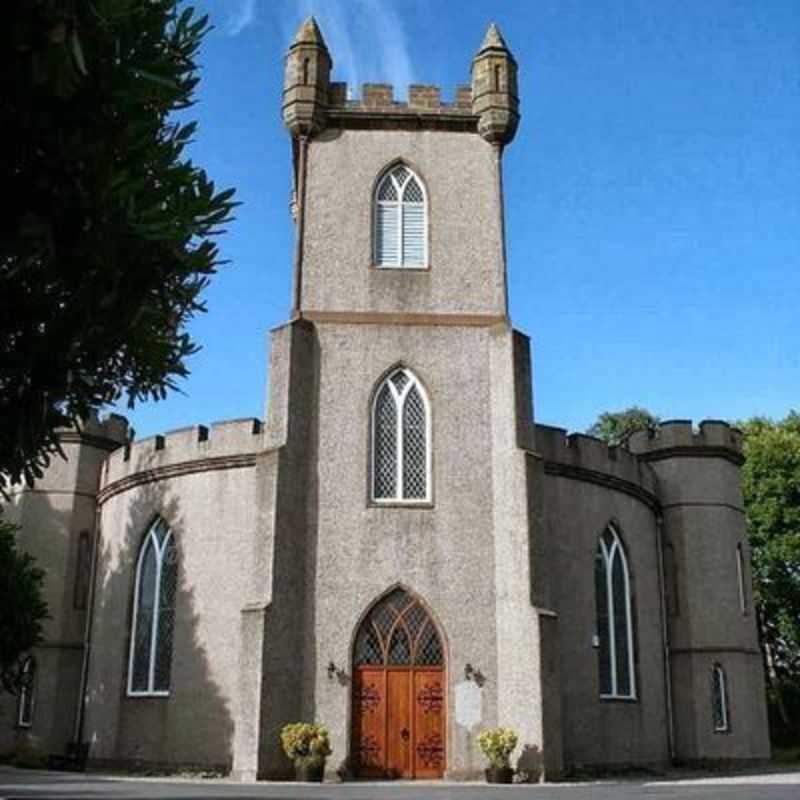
<point>25,701</point>
<point>398,631</point>
<point>401,220</point>
<point>614,619</point>
<point>400,440</point>
<point>719,699</point>
<point>154,613</point>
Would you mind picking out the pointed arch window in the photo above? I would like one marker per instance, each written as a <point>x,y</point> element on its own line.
<point>153,613</point>
<point>25,701</point>
<point>401,220</point>
<point>614,619</point>
<point>398,632</point>
<point>719,699</point>
<point>401,440</point>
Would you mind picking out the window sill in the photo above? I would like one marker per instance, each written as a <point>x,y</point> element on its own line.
<point>399,268</point>
<point>412,504</point>
<point>144,695</point>
<point>613,698</point>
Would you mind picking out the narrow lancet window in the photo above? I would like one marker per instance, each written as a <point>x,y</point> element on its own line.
<point>719,699</point>
<point>400,440</point>
<point>27,690</point>
<point>401,220</point>
<point>154,613</point>
<point>614,619</point>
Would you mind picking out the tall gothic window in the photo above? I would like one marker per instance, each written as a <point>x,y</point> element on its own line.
<point>26,693</point>
<point>153,613</point>
<point>400,440</point>
<point>614,618</point>
<point>401,220</point>
<point>719,699</point>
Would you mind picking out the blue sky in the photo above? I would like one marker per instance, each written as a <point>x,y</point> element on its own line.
<point>653,210</point>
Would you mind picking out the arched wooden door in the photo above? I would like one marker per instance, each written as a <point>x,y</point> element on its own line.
<point>399,694</point>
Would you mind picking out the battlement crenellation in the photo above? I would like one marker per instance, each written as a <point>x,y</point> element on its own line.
<point>379,97</point>
<point>228,438</point>
<point>580,452</point>
<point>678,435</point>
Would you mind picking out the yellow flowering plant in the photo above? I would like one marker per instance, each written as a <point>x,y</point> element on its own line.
<point>306,743</point>
<point>497,744</point>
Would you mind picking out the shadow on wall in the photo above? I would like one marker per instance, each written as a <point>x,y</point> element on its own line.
<point>46,533</point>
<point>193,726</point>
<point>530,764</point>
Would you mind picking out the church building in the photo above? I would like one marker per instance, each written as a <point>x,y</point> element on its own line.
<point>397,551</point>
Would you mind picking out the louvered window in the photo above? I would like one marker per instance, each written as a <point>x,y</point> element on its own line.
<point>401,220</point>
<point>154,613</point>
<point>719,699</point>
<point>400,440</point>
<point>614,619</point>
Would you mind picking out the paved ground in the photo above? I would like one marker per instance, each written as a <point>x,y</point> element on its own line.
<point>18,783</point>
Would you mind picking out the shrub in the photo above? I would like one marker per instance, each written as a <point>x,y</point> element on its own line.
<point>306,743</point>
<point>497,744</point>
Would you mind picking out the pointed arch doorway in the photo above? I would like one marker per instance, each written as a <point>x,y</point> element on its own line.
<point>399,698</point>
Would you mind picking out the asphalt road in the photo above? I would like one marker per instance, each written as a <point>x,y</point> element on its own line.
<point>15,783</point>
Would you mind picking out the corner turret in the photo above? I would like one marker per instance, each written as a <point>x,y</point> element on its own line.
<point>306,81</point>
<point>494,89</point>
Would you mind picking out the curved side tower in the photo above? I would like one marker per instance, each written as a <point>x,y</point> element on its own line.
<point>712,627</point>
<point>57,521</point>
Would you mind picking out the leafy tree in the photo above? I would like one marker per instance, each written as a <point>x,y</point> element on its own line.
<point>106,241</point>
<point>771,483</point>
<point>23,608</point>
<point>617,426</point>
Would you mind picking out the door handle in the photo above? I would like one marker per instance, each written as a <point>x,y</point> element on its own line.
<point>405,734</point>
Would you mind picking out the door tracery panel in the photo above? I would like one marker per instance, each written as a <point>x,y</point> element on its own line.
<point>399,696</point>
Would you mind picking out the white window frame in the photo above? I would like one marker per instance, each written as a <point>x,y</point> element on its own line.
<point>608,563</point>
<point>719,683</point>
<point>399,400</point>
<point>160,550</point>
<point>398,204</point>
<point>27,694</point>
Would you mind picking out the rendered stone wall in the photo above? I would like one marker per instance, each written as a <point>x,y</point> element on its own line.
<point>700,489</point>
<point>202,483</point>
<point>577,506</point>
<point>53,515</point>
<point>466,267</point>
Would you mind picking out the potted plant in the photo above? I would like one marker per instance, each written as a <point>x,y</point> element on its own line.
<point>307,745</point>
<point>497,745</point>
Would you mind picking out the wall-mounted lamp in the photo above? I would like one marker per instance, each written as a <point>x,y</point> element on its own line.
<point>332,670</point>
<point>472,674</point>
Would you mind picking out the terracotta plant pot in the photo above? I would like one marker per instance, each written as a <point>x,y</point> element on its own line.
<point>309,773</point>
<point>499,775</point>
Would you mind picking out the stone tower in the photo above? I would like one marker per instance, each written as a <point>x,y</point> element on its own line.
<point>494,89</point>
<point>305,84</point>
<point>711,615</point>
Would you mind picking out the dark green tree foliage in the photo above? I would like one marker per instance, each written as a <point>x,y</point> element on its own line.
<point>105,239</point>
<point>616,427</point>
<point>771,483</point>
<point>22,608</point>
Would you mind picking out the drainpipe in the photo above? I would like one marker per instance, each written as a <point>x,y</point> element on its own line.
<point>302,158</point>
<point>80,711</point>
<point>498,161</point>
<point>665,637</point>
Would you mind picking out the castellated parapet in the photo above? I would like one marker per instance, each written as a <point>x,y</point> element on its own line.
<point>179,451</point>
<point>311,102</point>
<point>679,437</point>
<point>590,457</point>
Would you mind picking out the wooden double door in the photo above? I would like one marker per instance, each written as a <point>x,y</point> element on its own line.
<point>399,692</point>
